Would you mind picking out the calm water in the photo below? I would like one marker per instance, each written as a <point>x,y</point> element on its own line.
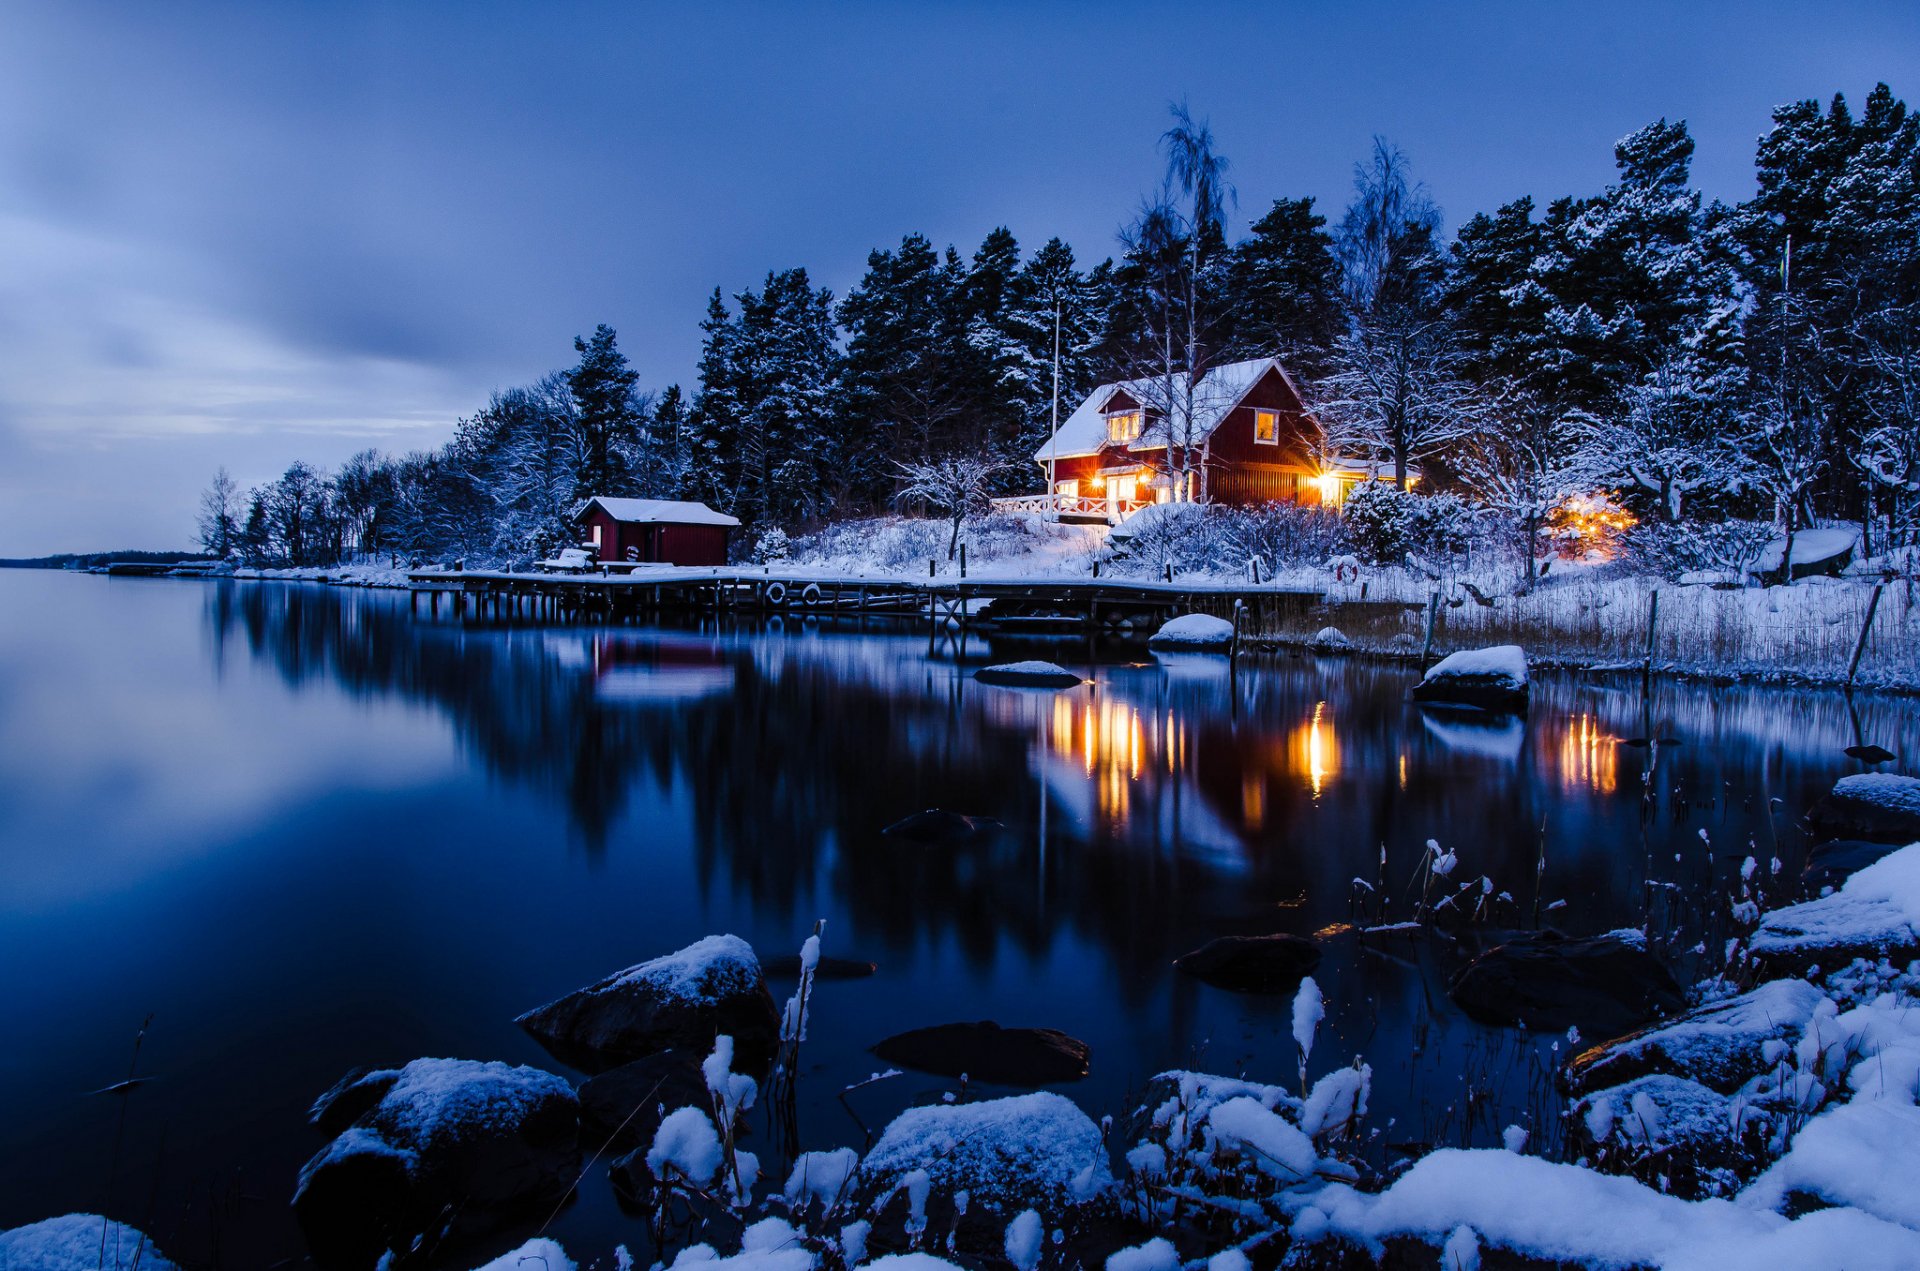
<point>304,831</point>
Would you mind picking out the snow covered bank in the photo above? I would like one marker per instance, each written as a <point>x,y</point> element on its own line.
<point>78,1242</point>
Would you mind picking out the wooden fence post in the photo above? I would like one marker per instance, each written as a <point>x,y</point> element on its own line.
<point>963,560</point>
<point>1653,618</point>
<point>1866,629</point>
<point>1433,617</point>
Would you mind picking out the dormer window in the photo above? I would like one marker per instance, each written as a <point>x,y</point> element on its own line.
<point>1266,427</point>
<point>1125,425</point>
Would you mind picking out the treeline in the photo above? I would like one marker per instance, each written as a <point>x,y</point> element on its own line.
<point>1697,361</point>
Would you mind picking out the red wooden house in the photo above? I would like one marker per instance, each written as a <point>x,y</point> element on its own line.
<point>654,531</point>
<point>1243,430</point>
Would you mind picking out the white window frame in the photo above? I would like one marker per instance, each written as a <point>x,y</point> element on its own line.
<point>1272,414</point>
<point>1137,413</point>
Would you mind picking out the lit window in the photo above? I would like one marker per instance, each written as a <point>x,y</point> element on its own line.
<point>1124,425</point>
<point>596,536</point>
<point>1266,427</point>
<point>1123,489</point>
<point>1067,489</point>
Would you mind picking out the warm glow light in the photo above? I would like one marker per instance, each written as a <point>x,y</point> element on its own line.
<point>1588,756</point>
<point>1316,750</point>
<point>1589,526</point>
<point>1329,487</point>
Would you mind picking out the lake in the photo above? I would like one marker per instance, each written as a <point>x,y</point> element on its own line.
<point>303,830</point>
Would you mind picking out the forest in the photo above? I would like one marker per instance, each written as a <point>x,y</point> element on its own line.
<point>1717,373</point>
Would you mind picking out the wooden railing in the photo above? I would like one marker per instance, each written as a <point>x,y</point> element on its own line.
<point>1070,505</point>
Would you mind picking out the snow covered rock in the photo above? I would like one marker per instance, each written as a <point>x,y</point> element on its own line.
<point>449,1146</point>
<point>538,1254</point>
<point>1492,679</point>
<point>1036,1151</point>
<point>624,1106</point>
<point>937,827</point>
<point>1878,806</point>
<point>1602,985</point>
<point>1832,863</point>
<point>1028,675</point>
<point>1718,1045</point>
<point>1876,913</point>
<point>1193,631</point>
<point>1332,638</point>
<point>72,1242</point>
<point>684,999</point>
<point>1667,1127</point>
<point>1252,964</point>
<point>987,1052</point>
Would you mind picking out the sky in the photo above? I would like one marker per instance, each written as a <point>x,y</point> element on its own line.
<point>243,234</point>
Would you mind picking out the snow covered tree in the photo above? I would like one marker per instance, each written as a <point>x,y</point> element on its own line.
<point>1053,316</point>
<point>1788,412</point>
<point>1525,459</point>
<point>533,451</point>
<point>1499,312</point>
<point>1672,433</point>
<point>364,498</point>
<point>1176,271</point>
<point>219,520</point>
<point>1283,288</point>
<point>1396,390</point>
<point>957,484</point>
<point>609,416</point>
<point>1889,452</point>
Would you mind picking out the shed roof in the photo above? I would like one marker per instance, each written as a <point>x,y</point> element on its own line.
<point>1217,393</point>
<point>657,511</point>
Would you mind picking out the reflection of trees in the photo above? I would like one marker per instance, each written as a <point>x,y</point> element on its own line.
<point>1181,802</point>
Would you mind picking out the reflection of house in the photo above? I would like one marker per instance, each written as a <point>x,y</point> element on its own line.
<point>1241,433</point>
<point>654,531</point>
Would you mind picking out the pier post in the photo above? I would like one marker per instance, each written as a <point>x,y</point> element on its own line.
<point>1866,629</point>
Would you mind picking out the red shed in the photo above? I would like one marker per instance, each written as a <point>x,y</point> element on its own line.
<point>654,531</point>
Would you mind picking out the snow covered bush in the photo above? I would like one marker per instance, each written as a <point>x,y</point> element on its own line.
<point>1385,524</point>
<point>772,545</point>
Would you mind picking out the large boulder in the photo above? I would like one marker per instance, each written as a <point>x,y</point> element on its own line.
<point>1881,807</point>
<point>1194,631</point>
<point>1492,679</point>
<point>1718,1045</point>
<point>1875,914</point>
<point>623,1106</point>
<point>1832,863</point>
<point>1036,1151</point>
<point>449,1147</point>
<point>987,1052</point>
<point>683,1000</point>
<point>1603,985</point>
<point>1252,964</point>
<point>74,1242</point>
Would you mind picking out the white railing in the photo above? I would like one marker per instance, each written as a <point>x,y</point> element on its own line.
<point>1070,505</point>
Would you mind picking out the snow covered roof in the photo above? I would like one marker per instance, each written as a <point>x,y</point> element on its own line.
<point>1219,390</point>
<point>673,511</point>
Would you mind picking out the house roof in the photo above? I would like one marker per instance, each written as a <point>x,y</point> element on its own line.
<point>660,511</point>
<point>1219,391</point>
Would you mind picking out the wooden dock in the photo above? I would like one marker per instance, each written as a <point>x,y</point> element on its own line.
<point>1039,605</point>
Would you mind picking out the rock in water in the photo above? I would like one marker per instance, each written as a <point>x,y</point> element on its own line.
<point>73,1242</point>
<point>1877,806</point>
<point>1832,863</point>
<point>1030,1151</point>
<point>1028,675</point>
<point>987,1052</point>
<point>1252,964</point>
<point>1875,914</point>
<point>1603,986</point>
<point>1680,1124</point>
<point>682,1000</point>
<point>1492,679</point>
<point>936,827</point>
<point>1870,754</point>
<point>1194,631</point>
<point>450,1147</point>
<point>623,1106</point>
<point>1718,1045</point>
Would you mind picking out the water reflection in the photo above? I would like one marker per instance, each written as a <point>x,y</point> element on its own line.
<point>570,800</point>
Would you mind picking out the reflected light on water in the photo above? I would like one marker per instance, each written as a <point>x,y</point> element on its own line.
<point>1589,756</point>
<point>1112,744</point>
<point>1316,750</point>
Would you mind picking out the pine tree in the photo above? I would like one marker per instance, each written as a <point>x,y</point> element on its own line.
<point>609,416</point>
<point>1283,288</point>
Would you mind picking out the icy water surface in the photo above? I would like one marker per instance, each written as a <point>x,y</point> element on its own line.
<point>303,831</point>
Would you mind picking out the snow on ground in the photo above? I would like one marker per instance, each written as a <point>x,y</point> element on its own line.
<point>73,1242</point>
<point>1877,908</point>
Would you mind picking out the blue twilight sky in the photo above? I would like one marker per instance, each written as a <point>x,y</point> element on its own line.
<point>247,233</point>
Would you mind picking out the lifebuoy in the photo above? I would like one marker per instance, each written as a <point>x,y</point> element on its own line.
<point>776,593</point>
<point>810,594</point>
